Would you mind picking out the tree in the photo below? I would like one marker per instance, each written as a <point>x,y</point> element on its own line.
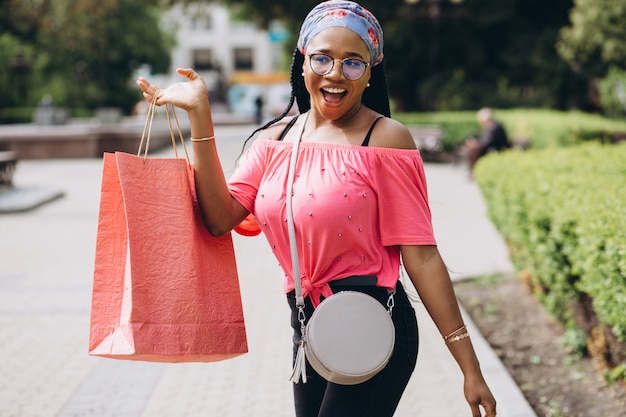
<point>87,50</point>
<point>612,91</point>
<point>18,32</point>
<point>463,55</point>
<point>104,41</point>
<point>595,38</point>
<point>23,19</point>
<point>459,54</point>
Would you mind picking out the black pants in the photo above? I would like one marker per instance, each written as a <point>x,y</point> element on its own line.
<point>378,397</point>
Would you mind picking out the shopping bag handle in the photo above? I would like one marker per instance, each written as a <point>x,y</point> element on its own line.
<point>145,138</point>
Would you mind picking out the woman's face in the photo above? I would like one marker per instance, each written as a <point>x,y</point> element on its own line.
<point>332,94</point>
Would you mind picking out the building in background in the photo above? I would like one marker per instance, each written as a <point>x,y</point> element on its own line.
<point>239,62</point>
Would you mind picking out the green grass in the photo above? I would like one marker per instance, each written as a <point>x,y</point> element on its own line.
<point>541,127</point>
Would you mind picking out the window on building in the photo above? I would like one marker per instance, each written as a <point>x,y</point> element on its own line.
<point>203,59</point>
<point>201,23</point>
<point>199,15</point>
<point>241,26</point>
<point>243,59</point>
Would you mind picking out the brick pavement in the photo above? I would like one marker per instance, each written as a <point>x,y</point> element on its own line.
<point>46,258</point>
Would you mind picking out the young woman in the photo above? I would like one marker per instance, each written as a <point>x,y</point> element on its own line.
<point>359,202</point>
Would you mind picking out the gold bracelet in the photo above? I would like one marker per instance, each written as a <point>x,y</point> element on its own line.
<point>454,332</point>
<point>457,338</point>
<point>203,139</point>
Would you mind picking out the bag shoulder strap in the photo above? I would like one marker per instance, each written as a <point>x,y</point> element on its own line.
<point>291,228</point>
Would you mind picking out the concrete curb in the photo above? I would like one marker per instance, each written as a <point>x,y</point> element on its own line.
<point>21,199</point>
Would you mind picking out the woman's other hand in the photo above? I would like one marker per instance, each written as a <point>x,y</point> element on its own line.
<point>477,394</point>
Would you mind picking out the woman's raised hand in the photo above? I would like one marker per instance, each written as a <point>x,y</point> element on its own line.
<point>188,95</point>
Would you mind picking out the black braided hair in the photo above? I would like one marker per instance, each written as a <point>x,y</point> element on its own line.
<point>297,83</point>
<point>376,96</point>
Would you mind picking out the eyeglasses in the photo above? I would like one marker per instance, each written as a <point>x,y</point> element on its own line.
<point>351,68</point>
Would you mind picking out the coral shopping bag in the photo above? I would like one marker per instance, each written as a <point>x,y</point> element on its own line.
<point>164,289</point>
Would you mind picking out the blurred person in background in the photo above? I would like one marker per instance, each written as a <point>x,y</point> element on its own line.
<point>492,138</point>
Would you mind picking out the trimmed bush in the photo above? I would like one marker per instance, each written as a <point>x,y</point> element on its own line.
<point>542,128</point>
<point>16,115</point>
<point>457,126</point>
<point>563,213</point>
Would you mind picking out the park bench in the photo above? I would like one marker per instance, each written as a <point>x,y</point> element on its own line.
<point>8,160</point>
<point>428,139</point>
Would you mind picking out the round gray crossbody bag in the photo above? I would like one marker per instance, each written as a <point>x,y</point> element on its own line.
<point>350,336</point>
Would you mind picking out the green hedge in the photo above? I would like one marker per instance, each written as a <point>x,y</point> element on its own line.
<point>563,212</point>
<point>541,127</point>
<point>547,128</point>
<point>457,126</point>
<point>16,115</point>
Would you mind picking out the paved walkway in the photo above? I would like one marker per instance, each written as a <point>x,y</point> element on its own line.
<point>46,258</point>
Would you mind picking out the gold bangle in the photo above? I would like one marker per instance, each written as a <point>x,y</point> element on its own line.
<point>454,332</point>
<point>457,338</point>
<point>203,139</point>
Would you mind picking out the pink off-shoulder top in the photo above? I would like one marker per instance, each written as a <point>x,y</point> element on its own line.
<point>353,206</point>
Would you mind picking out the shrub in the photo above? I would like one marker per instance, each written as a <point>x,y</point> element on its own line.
<point>457,126</point>
<point>612,91</point>
<point>541,127</point>
<point>16,115</point>
<point>563,213</point>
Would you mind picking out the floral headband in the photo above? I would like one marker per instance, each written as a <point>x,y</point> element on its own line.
<point>346,14</point>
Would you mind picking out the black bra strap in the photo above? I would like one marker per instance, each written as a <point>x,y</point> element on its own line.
<point>366,141</point>
<point>289,126</point>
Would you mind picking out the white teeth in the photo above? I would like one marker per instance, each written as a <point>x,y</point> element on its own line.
<point>335,90</point>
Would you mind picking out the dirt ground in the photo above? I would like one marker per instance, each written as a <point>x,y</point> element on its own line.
<point>555,382</point>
